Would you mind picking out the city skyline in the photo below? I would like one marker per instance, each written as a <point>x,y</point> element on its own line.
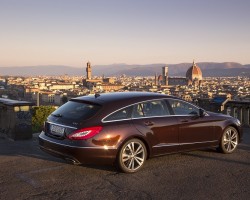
<point>133,32</point>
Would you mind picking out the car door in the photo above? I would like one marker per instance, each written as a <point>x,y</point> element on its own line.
<point>153,119</point>
<point>195,131</point>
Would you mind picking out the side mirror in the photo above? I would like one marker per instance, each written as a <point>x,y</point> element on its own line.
<point>201,112</point>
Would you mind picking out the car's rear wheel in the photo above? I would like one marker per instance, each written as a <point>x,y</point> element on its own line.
<point>229,140</point>
<point>132,156</point>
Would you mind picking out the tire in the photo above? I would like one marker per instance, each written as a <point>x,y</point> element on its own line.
<point>229,140</point>
<point>132,156</point>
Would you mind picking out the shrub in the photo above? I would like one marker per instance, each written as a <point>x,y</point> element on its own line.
<point>40,114</point>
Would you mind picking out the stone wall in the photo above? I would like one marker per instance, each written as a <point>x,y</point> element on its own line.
<point>15,119</point>
<point>239,110</point>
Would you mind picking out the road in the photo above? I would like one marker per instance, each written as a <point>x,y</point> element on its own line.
<point>28,173</point>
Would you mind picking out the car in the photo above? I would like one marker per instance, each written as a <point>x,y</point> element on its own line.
<point>127,128</point>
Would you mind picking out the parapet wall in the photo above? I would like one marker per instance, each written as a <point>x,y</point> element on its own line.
<point>239,110</point>
<point>15,119</point>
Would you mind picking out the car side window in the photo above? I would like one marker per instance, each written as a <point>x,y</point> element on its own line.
<point>124,113</point>
<point>138,111</point>
<point>182,107</point>
<point>150,109</point>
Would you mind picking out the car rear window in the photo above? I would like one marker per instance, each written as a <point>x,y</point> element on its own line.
<point>76,110</point>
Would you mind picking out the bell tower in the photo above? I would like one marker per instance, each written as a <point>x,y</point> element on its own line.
<point>88,70</point>
<point>165,75</point>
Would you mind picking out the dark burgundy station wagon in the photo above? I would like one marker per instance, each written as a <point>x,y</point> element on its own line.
<point>126,128</point>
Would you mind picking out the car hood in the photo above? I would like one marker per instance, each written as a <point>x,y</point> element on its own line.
<point>218,114</point>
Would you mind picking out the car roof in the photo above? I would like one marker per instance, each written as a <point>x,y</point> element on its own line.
<point>126,97</point>
<point>111,102</point>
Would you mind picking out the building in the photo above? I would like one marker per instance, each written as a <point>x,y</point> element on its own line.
<point>61,86</point>
<point>100,85</point>
<point>60,98</point>
<point>163,78</point>
<point>109,87</point>
<point>89,82</point>
<point>3,83</point>
<point>177,81</point>
<point>89,70</point>
<point>109,80</point>
<point>47,97</point>
<point>165,75</point>
<point>194,75</point>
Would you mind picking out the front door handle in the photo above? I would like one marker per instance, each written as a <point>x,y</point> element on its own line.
<point>149,123</point>
<point>184,120</point>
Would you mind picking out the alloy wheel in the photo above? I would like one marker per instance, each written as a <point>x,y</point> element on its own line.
<point>229,140</point>
<point>132,156</point>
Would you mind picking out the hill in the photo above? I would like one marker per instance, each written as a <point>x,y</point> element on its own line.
<point>208,69</point>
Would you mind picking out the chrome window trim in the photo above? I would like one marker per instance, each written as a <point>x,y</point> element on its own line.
<point>127,107</point>
<point>61,125</point>
<point>163,116</point>
<point>152,116</point>
<point>114,112</point>
<point>117,120</point>
<point>72,146</point>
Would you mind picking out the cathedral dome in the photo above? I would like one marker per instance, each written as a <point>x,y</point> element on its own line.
<point>194,73</point>
<point>160,78</point>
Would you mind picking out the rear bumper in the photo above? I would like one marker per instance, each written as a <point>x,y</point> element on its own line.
<point>77,154</point>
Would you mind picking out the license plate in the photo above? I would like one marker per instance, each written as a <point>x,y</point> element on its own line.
<point>56,130</point>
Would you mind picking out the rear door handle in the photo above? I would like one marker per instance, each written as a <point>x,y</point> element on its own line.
<point>149,123</point>
<point>184,120</point>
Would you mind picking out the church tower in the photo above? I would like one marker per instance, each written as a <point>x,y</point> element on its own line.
<point>88,70</point>
<point>165,75</point>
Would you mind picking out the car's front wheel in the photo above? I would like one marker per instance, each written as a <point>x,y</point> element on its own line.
<point>229,140</point>
<point>132,156</point>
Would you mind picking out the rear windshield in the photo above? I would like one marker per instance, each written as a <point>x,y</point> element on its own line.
<point>76,111</point>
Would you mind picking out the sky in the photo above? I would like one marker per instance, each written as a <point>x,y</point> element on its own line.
<point>73,32</point>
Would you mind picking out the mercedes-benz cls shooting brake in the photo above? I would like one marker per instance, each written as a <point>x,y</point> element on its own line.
<point>128,128</point>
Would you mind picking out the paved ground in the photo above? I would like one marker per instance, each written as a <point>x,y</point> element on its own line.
<point>28,173</point>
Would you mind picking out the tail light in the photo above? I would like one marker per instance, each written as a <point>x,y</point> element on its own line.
<point>85,133</point>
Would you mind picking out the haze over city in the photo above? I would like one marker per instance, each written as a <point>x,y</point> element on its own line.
<point>62,32</point>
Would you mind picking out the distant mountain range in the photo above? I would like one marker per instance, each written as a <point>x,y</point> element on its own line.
<point>209,69</point>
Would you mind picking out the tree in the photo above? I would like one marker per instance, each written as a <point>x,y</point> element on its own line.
<point>39,116</point>
<point>64,99</point>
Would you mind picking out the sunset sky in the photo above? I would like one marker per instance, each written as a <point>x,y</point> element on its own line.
<point>72,32</point>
